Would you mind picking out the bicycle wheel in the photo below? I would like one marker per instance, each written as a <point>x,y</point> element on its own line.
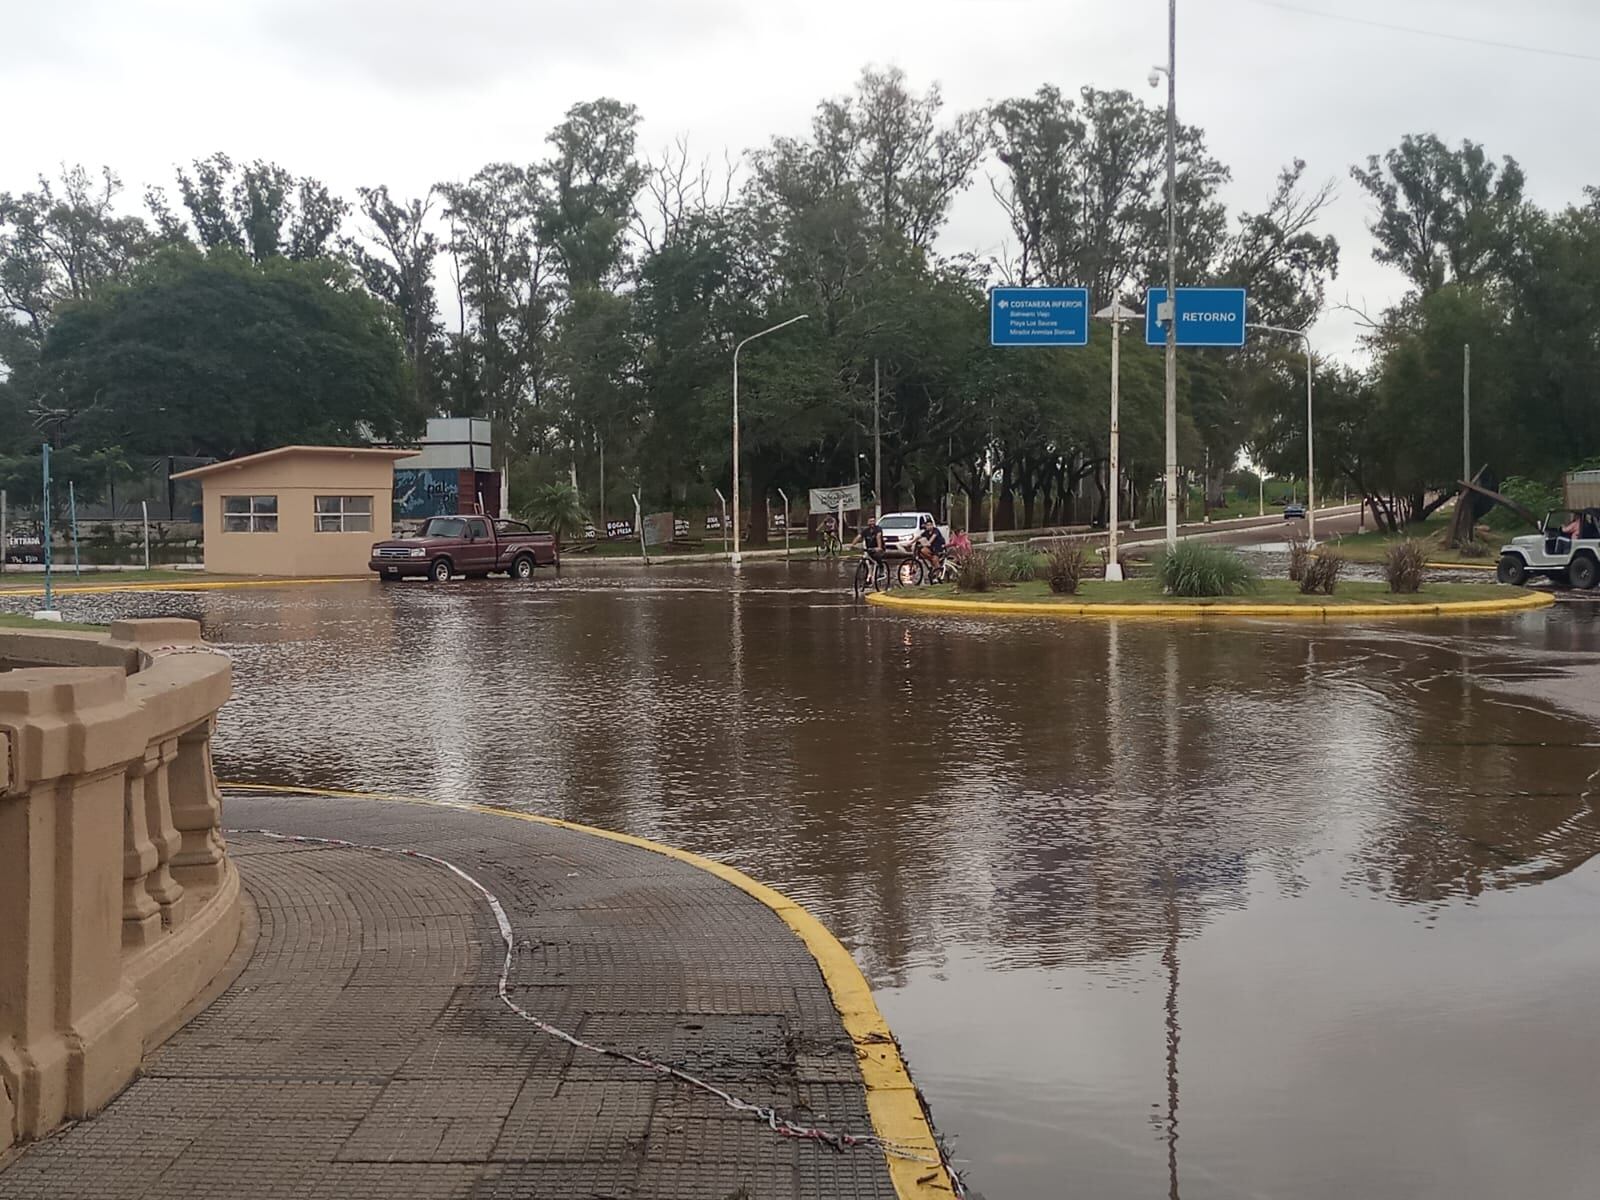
<point>863,580</point>
<point>909,573</point>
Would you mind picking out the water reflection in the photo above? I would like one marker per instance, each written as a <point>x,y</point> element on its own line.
<point>1303,855</point>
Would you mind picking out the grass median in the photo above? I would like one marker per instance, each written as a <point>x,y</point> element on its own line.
<point>1373,546</point>
<point>1271,591</point>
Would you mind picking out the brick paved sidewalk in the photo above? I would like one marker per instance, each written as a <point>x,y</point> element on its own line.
<point>363,1052</point>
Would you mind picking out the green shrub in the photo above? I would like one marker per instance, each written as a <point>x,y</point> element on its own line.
<point>1322,573</point>
<point>1533,494</point>
<point>1015,562</point>
<point>978,572</point>
<point>556,507</point>
<point>1403,564</point>
<point>1197,569</point>
<point>1299,559</point>
<point>1475,549</point>
<point>1065,565</point>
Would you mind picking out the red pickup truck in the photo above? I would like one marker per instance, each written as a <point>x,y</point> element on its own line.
<point>469,545</point>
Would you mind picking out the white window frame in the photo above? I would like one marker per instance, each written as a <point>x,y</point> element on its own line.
<point>259,514</point>
<point>342,514</point>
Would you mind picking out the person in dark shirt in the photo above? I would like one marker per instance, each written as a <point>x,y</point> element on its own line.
<point>870,539</point>
<point>930,546</point>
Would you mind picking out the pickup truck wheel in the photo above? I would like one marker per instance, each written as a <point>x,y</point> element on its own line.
<point>440,571</point>
<point>1511,570</point>
<point>522,568</point>
<point>1584,572</point>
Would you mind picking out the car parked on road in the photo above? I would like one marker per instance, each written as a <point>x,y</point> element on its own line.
<point>1567,550</point>
<point>473,546</point>
<point>900,529</point>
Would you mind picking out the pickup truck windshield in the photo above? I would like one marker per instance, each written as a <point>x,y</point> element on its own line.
<point>443,527</point>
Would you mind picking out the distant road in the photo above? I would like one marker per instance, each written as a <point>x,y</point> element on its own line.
<point>1249,531</point>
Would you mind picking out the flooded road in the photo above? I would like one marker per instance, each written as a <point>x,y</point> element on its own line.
<point>1201,910</point>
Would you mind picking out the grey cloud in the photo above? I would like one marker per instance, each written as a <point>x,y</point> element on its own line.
<point>418,45</point>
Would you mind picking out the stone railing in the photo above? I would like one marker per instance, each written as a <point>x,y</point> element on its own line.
<point>118,903</point>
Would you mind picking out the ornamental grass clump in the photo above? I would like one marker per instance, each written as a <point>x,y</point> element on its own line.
<point>1475,549</point>
<point>1299,559</point>
<point>1322,574</point>
<point>1016,563</point>
<point>1196,569</point>
<point>1402,566</point>
<point>978,573</point>
<point>1065,565</point>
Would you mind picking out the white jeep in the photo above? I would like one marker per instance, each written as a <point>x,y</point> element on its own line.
<point>1567,550</point>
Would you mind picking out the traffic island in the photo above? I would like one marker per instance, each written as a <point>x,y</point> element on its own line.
<point>457,1001</point>
<point>1274,598</point>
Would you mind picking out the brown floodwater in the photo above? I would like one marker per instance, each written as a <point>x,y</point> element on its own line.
<point>1183,910</point>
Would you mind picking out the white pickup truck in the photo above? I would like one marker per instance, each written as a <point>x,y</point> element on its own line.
<point>900,529</point>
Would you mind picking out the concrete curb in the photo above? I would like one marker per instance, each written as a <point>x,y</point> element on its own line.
<point>893,1102</point>
<point>1460,608</point>
<point>182,585</point>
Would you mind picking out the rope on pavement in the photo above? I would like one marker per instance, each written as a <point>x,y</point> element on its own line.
<point>781,1125</point>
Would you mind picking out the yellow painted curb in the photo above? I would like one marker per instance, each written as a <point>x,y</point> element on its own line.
<point>175,585</point>
<point>1461,566</point>
<point>893,1102</point>
<point>1524,600</point>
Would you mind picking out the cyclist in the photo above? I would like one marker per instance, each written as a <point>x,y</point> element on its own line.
<point>830,531</point>
<point>871,540</point>
<point>960,543</point>
<point>930,547</point>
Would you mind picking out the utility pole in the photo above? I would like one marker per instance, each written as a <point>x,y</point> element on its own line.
<point>1172,273</point>
<point>877,445</point>
<point>1466,413</point>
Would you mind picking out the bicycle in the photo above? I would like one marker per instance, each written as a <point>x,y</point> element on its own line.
<point>914,572</point>
<point>828,544</point>
<point>872,575</point>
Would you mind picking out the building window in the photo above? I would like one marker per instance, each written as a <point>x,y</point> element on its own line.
<point>344,514</point>
<point>249,514</point>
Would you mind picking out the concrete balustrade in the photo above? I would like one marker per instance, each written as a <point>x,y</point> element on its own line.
<point>118,904</point>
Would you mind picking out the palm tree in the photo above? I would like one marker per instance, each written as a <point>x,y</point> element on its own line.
<point>557,507</point>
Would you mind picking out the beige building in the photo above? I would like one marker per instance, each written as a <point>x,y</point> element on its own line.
<point>297,510</point>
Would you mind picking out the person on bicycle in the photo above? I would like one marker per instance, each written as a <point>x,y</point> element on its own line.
<point>960,543</point>
<point>871,540</point>
<point>930,547</point>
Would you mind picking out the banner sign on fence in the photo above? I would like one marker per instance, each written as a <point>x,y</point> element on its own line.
<point>658,528</point>
<point>829,499</point>
<point>619,529</point>
<point>713,522</point>
<point>680,527</point>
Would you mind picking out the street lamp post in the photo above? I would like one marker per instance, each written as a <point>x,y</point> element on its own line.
<point>1311,455</point>
<point>1116,314</point>
<point>770,329</point>
<point>1171,321</point>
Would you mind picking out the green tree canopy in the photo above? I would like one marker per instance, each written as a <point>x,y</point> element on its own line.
<point>216,355</point>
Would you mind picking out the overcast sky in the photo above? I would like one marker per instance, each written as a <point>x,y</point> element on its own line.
<point>407,93</point>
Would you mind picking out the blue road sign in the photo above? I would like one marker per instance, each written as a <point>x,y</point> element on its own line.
<point>1207,316</point>
<point>1038,316</point>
